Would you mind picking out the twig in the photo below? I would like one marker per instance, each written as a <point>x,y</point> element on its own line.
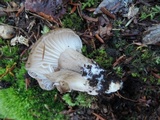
<point>105,11</point>
<point>114,7</point>
<point>19,11</point>
<point>99,38</point>
<point>40,17</point>
<point>90,18</point>
<point>24,51</point>
<point>119,95</point>
<point>93,43</point>
<point>155,75</point>
<point>8,70</point>
<point>119,60</point>
<point>127,24</point>
<point>73,9</point>
<point>98,117</point>
<point>27,81</point>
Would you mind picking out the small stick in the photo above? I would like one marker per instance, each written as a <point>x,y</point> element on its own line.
<point>8,70</point>
<point>99,38</point>
<point>90,18</point>
<point>19,11</point>
<point>73,9</point>
<point>105,11</point>
<point>98,116</point>
<point>119,95</point>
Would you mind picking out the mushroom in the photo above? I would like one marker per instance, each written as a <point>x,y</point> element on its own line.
<point>56,61</point>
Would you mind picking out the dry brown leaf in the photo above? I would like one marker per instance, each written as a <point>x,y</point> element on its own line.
<point>50,9</point>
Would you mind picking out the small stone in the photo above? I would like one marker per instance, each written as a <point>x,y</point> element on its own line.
<point>6,31</point>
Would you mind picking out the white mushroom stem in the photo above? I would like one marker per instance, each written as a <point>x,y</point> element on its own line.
<point>113,87</point>
<point>67,80</point>
<point>73,60</point>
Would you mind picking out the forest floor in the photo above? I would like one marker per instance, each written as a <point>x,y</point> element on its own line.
<point>123,36</point>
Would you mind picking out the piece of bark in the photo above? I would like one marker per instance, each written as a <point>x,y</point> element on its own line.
<point>152,35</point>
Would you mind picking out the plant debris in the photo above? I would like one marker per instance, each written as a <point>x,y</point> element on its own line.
<point>19,39</point>
<point>114,6</point>
<point>152,35</point>
<point>49,9</point>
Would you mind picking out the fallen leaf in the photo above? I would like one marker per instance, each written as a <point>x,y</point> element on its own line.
<point>53,9</point>
<point>132,12</point>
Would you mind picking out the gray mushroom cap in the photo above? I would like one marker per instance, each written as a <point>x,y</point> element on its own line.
<point>43,58</point>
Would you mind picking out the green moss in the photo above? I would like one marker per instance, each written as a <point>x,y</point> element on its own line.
<point>2,19</point>
<point>100,56</point>
<point>9,51</point>
<point>119,71</point>
<point>144,60</point>
<point>72,21</point>
<point>18,103</point>
<point>89,3</point>
<point>45,29</point>
<point>82,99</point>
<point>30,104</point>
<point>149,12</point>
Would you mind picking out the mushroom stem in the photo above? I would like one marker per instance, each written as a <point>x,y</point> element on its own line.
<point>66,80</point>
<point>73,60</point>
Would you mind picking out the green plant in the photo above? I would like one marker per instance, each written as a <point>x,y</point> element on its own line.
<point>45,29</point>
<point>100,56</point>
<point>72,21</point>
<point>82,99</point>
<point>118,23</point>
<point>149,12</point>
<point>89,3</point>
<point>157,60</point>
<point>2,19</point>
<point>118,71</point>
<point>158,83</point>
<point>143,60</point>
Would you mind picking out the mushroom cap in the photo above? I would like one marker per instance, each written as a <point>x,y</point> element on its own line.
<point>43,58</point>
